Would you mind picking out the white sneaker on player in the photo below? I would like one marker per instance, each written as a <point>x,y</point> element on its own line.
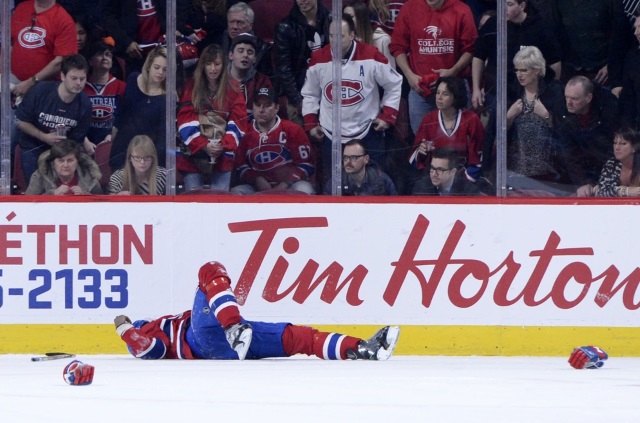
<point>379,347</point>
<point>239,338</point>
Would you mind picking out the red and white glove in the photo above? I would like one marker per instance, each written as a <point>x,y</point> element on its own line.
<point>588,357</point>
<point>78,373</point>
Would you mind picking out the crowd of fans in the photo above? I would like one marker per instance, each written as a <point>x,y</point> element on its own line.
<point>254,101</point>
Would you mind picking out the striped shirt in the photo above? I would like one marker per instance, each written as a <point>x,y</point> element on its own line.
<point>117,180</point>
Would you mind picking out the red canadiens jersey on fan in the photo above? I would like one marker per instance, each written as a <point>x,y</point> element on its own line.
<point>363,72</point>
<point>283,154</point>
<point>37,38</point>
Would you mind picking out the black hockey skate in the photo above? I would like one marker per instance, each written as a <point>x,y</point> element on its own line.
<point>379,347</point>
<point>239,338</point>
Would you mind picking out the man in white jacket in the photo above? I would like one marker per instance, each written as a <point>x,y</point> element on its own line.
<point>364,115</point>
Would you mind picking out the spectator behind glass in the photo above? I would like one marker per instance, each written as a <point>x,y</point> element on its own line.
<point>530,148</point>
<point>303,31</point>
<point>105,92</point>
<point>365,115</point>
<point>141,174</point>
<point>143,110</point>
<point>585,31</point>
<point>209,16</point>
<point>240,21</point>
<point>89,30</point>
<point>364,32</point>
<point>242,60</point>
<point>53,111</point>
<point>443,177</point>
<point>65,170</point>
<point>630,95</point>
<point>359,177</point>
<point>209,96</point>
<point>450,125</point>
<point>384,13</point>
<point>137,26</point>
<point>42,33</point>
<point>620,175</point>
<point>436,23</point>
<point>275,154</point>
<point>584,126</point>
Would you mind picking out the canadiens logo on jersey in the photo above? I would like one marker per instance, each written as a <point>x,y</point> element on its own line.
<point>268,157</point>
<point>101,113</point>
<point>146,8</point>
<point>351,92</point>
<point>394,11</point>
<point>32,37</point>
<point>433,44</point>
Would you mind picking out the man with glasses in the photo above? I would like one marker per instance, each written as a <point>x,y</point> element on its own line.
<point>359,176</point>
<point>365,116</point>
<point>443,177</point>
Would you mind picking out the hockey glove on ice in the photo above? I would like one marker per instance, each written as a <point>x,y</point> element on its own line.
<point>78,373</point>
<point>589,357</point>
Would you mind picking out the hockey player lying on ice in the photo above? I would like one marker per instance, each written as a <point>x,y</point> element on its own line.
<point>214,329</point>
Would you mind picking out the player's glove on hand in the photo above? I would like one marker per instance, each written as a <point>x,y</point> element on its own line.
<point>120,320</point>
<point>589,357</point>
<point>78,373</point>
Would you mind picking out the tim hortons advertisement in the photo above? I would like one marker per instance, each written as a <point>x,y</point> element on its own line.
<point>423,264</point>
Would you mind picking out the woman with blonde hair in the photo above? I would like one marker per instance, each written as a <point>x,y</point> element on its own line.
<point>141,174</point>
<point>143,111</point>
<point>208,152</point>
<point>530,148</point>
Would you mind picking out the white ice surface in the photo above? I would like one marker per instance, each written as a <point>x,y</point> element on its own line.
<point>301,390</point>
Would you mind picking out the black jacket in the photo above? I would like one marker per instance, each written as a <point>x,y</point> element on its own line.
<point>630,95</point>
<point>292,51</point>
<point>121,20</point>
<point>461,186</point>
<point>583,151</point>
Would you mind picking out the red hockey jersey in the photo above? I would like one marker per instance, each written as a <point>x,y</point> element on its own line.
<point>283,154</point>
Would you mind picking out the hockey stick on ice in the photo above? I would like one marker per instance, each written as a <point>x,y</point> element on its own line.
<point>52,356</point>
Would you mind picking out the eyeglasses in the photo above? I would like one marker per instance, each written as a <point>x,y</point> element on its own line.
<point>33,21</point>
<point>438,170</point>
<point>352,158</point>
<point>142,159</point>
<point>525,70</point>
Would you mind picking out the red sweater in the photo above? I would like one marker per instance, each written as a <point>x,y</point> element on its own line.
<point>434,39</point>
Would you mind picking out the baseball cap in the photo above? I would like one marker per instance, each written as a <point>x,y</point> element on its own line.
<point>266,92</point>
<point>244,38</point>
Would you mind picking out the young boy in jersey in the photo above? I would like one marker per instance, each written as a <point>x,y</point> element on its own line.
<point>214,329</point>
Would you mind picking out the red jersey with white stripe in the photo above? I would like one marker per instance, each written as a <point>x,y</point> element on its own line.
<point>466,137</point>
<point>363,72</point>
<point>164,337</point>
<point>282,154</point>
<point>234,112</point>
